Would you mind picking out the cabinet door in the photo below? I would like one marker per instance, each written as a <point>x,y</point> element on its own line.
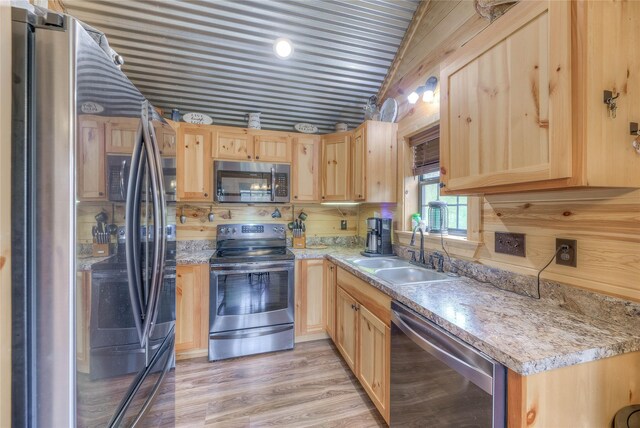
<point>505,115</point>
<point>191,307</point>
<point>167,136</point>
<point>373,368</point>
<point>358,175</point>
<point>381,159</point>
<point>120,135</point>
<point>330,290</point>
<point>272,148</point>
<point>193,172</point>
<point>305,167</point>
<point>335,167</point>
<point>91,160</point>
<point>346,327</point>
<point>232,144</point>
<point>310,297</point>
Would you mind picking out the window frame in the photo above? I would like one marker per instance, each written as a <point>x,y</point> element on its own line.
<point>421,203</point>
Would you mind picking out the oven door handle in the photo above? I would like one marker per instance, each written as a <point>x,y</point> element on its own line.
<point>273,184</point>
<point>132,232</point>
<point>241,271</point>
<point>473,374</point>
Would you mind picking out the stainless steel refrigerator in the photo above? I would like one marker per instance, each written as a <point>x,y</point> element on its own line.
<point>93,337</point>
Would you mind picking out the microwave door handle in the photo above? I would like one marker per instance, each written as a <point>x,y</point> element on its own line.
<point>132,232</point>
<point>122,169</point>
<point>273,184</point>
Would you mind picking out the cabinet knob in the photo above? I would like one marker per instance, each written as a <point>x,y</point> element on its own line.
<point>206,194</point>
<point>295,197</point>
<point>353,306</point>
<point>257,157</point>
<point>100,193</point>
<point>323,197</point>
<point>248,157</point>
<point>442,185</point>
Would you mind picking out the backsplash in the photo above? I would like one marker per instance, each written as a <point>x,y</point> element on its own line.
<point>606,308</point>
<point>323,222</point>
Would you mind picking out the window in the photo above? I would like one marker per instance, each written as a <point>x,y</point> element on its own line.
<point>426,165</point>
<point>456,205</point>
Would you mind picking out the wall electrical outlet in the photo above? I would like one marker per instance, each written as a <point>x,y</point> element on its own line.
<point>343,224</point>
<point>513,244</point>
<point>567,257</point>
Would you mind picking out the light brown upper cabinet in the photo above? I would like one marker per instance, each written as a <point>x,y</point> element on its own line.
<point>91,159</point>
<point>358,165</point>
<point>231,143</point>
<point>167,137</point>
<point>374,166</point>
<point>121,135</point>
<point>272,147</point>
<point>305,165</point>
<point>193,169</point>
<point>335,166</point>
<point>522,103</point>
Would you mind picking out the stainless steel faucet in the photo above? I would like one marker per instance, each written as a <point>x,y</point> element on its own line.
<point>413,241</point>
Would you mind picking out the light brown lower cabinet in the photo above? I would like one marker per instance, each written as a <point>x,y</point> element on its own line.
<point>363,336</point>
<point>309,300</point>
<point>192,310</point>
<point>330,272</point>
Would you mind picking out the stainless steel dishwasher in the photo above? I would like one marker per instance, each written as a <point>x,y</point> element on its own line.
<point>437,380</point>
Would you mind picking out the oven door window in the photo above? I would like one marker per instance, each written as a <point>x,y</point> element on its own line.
<point>252,293</point>
<point>247,186</point>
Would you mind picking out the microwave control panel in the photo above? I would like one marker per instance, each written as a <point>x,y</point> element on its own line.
<point>282,185</point>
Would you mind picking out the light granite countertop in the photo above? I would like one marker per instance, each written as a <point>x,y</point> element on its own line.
<point>85,263</point>
<point>197,257</point>
<point>528,336</point>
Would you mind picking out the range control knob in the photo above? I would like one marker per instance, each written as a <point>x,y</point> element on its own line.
<point>233,230</point>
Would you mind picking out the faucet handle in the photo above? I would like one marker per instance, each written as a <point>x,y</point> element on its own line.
<point>431,264</point>
<point>413,255</point>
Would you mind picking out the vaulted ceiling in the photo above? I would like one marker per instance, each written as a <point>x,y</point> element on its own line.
<point>216,57</point>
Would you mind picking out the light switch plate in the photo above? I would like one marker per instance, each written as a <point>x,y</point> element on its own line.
<point>513,244</point>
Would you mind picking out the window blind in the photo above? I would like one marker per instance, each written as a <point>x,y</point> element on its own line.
<point>426,151</point>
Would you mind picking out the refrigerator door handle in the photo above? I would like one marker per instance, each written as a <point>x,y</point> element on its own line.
<point>161,228</point>
<point>132,233</point>
<point>152,296</point>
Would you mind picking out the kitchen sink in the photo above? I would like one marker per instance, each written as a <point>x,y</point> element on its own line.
<point>380,263</point>
<point>410,275</point>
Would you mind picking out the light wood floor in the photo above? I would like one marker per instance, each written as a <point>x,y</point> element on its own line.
<point>309,386</point>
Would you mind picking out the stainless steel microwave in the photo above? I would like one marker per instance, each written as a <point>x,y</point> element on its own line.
<point>251,182</point>
<point>118,177</point>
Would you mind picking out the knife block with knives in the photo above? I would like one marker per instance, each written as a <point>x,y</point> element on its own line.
<point>299,232</point>
<point>101,237</point>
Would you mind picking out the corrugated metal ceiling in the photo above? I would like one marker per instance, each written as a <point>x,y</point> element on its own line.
<point>216,57</point>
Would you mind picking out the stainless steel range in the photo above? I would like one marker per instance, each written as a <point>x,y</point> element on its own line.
<point>251,294</point>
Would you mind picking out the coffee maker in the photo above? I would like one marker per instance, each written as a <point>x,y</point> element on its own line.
<point>378,237</point>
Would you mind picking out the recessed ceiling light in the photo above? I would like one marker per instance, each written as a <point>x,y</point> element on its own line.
<point>283,48</point>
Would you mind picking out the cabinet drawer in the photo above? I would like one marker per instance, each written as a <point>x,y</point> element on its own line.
<point>375,300</point>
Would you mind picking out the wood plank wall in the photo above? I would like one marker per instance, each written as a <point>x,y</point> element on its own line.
<point>606,223</point>
<point>5,217</point>
<point>322,220</point>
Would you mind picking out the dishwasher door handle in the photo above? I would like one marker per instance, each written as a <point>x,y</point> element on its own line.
<point>473,374</point>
